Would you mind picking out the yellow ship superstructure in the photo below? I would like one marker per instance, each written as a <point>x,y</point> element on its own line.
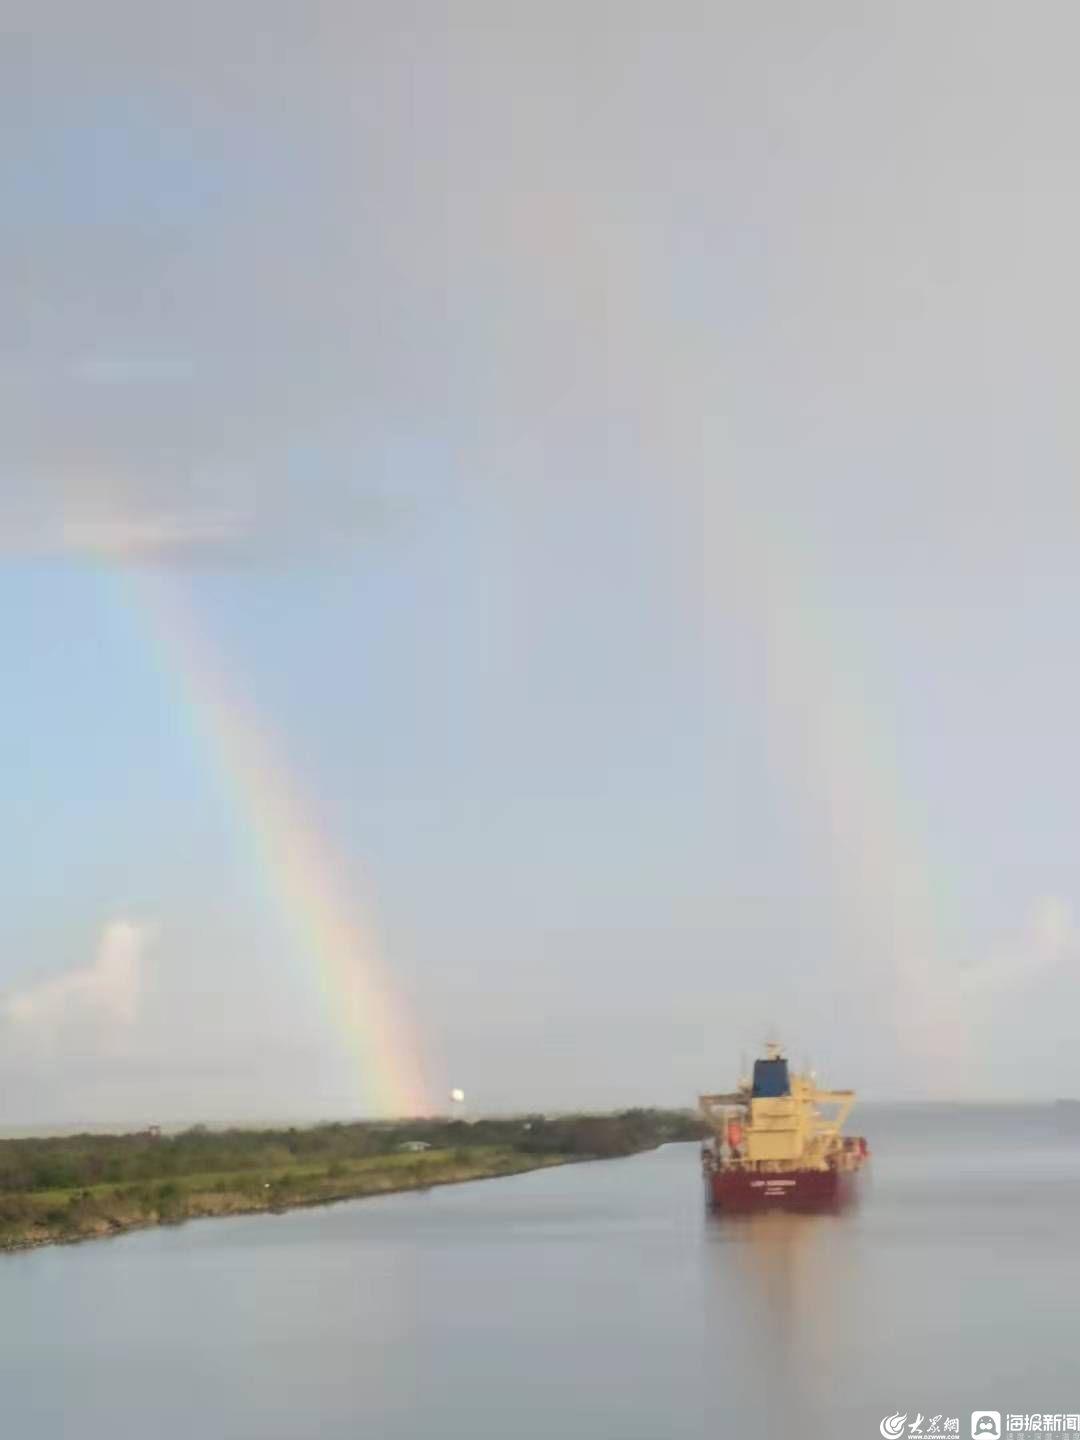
<point>779,1136</point>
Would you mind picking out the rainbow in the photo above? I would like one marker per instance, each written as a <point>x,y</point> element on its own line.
<point>834,748</point>
<point>329,927</point>
<point>585,275</point>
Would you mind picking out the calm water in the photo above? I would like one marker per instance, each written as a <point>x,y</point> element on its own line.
<point>594,1301</point>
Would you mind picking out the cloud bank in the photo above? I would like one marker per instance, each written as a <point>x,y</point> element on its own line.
<point>1048,937</point>
<point>101,998</point>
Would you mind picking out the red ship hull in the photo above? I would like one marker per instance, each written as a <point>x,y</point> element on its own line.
<point>737,1191</point>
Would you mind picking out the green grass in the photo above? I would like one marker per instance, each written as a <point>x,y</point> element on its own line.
<point>69,1187</point>
<point>81,1212</point>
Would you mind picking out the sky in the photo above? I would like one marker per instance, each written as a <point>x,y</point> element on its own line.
<point>570,511</point>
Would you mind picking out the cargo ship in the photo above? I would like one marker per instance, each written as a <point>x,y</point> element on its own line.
<point>777,1143</point>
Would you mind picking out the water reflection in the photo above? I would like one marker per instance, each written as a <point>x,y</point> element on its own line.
<point>579,1301</point>
<point>781,1289</point>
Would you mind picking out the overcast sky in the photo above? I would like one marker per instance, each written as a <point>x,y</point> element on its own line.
<point>626,459</point>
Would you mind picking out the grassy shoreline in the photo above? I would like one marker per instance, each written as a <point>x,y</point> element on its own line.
<point>97,1212</point>
<point>59,1189</point>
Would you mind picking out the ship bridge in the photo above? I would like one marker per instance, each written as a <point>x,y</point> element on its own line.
<point>778,1119</point>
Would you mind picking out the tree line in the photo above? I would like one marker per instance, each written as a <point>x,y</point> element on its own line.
<point>73,1161</point>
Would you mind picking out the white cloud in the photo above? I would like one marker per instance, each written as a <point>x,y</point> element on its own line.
<point>1049,936</point>
<point>220,518</point>
<point>1053,927</point>
<point>104,993</point>
<point>119,537</point>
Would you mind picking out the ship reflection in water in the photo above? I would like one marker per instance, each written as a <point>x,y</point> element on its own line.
<point>947,1288</point>
<point>782,1289</point>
